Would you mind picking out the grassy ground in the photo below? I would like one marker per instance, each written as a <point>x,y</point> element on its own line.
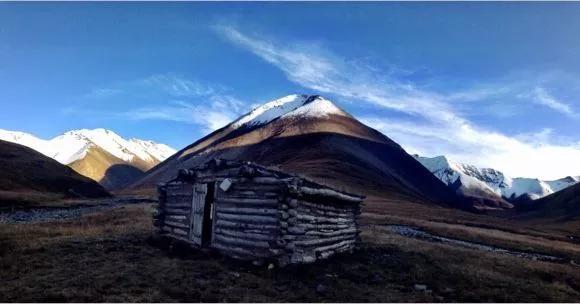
<point>111,257</point>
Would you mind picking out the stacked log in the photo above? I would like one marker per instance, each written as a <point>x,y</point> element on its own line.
<point>174,210</point>
<point>319,230</point>
<point>263,215</point>
<point>246,218</point>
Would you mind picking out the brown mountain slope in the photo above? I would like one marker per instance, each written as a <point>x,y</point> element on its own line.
<point>335,149</point>
<point>110,171</point>
<point>24,171</point>
<point>563,205</point>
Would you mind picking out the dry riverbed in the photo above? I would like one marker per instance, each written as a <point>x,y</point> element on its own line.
<point>34,215</point>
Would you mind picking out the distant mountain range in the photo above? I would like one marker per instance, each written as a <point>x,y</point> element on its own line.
<point>309,135</point>
<point>490,184</point>
<point>99,154</point>
<point>302,134</point>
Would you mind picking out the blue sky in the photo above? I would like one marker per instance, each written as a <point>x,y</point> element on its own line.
<point>494,84</point>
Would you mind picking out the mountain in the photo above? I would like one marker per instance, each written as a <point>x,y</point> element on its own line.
<point>563,205</point>
<point>27,175</point>
<point>490,184</point>
<point>99,154</point>
<point>311,136</point>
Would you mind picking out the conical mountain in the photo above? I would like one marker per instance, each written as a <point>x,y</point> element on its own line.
<point>309,135</point>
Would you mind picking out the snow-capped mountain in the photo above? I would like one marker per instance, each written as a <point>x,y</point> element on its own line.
<point>311,136</point>
<point>93,152</point>
<point>469,179</point>
<point>287,107</point>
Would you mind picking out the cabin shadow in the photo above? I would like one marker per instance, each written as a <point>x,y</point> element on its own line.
<point>119,175</point>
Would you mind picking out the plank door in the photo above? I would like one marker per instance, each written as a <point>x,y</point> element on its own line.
<point>197,212</point>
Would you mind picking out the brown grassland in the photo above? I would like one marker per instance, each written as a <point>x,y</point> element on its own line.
<point>111,256</point>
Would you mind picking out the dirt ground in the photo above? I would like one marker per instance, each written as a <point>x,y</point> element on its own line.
<point>110,256</point>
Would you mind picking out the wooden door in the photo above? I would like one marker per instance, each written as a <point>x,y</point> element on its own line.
<point>197,212</point>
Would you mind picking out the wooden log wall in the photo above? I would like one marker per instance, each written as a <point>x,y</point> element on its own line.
<point>245,218</point>
<point>265,217</point>
<point>174,210</point>
<point>317,230</point>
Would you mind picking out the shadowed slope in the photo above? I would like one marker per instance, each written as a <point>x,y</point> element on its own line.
<point>27,172</point>
<point>110,171</point>
<point>564,204</point>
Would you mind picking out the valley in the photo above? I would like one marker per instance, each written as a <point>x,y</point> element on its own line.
<point>289,152</point>
<point>110,255</point>
<point>421,239</point>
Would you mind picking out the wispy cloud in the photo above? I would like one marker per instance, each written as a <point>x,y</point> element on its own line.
<point>436,127</point>
<point>167,97</point>
<point>101,93</point>
<point>178,86</point>
<point>218,112</point>
<point>542,97</point>
<point>327,73</point>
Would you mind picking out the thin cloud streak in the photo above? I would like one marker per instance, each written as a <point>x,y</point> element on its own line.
<point>213,116</point>
<point>440,130</point>
<point>189,101</point>
<point>542,97</point>
<point>333,75</point>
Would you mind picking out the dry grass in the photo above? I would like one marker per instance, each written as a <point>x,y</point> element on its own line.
<point>484,276</point>
<point>110,257</point>
<point>10,200</point>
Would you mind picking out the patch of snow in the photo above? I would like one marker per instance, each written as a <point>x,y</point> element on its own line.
<point>158,151</point>
<point>74,145</point>
<point>26,139</point>
<point>319,107</point>
<point>289,106</point>
<point>488,179</point>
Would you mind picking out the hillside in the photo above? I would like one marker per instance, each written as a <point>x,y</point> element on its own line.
<point>28,175</point>
<point>311,136</point>
<point>99,154</point>
<point>563,205</point>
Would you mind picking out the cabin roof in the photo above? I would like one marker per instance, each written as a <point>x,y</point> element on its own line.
<point>251,169</point>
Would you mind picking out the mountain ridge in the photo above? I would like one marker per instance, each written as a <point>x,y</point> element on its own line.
<point>75,148</point>
<point>494,183</point>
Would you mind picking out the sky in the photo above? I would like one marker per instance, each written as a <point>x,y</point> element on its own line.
<point>491,84</point>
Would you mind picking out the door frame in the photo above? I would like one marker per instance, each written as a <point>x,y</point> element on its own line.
<point>202,213</point>
<point>207,232</point>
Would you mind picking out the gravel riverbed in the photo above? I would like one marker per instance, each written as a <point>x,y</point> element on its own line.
<point>414,232</point>
<point>36,215</point>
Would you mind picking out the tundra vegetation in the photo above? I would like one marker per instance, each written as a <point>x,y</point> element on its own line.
<point>110,256</point>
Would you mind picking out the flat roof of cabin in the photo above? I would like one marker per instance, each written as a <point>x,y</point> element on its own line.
<point>308,186</point>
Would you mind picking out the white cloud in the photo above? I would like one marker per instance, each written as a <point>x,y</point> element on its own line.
<point>183,100</point>
<point>542,97</point>
<point>437,128</point>
<point>178,86</point>
<point>215,113</point>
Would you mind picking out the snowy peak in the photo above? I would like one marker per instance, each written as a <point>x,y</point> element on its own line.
<point>289,106</point>
<point>487,179</point>
<point>74,145</point>
<point>158,151</point>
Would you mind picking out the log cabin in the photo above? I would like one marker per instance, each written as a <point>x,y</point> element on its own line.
<point>251,212</point>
